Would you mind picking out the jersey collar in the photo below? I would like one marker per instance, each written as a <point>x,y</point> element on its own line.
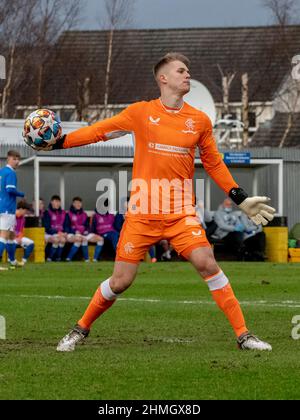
<point>10,167</point>
<point>170,110</point>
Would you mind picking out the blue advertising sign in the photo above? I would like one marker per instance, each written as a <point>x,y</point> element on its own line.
<point>237,157</point>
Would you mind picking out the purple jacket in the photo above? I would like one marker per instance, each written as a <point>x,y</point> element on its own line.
<point>77,221</point>
<point>20,224</point>
<point>54,220</point>
<point>103,223</point>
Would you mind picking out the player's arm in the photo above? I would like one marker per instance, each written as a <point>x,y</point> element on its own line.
<point>104,130</point>
<point>255,207</point>
<point>11,185</point>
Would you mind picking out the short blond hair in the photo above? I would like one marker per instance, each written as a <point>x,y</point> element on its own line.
<point>168,58</point>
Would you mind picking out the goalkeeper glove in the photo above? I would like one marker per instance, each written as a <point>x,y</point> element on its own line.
<point>58,145</point>
<point>255,207</point>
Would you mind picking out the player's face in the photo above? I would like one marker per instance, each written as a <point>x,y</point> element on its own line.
<point>13,161</point>
<point>77,204</point>
<point>55,204</point>
<point>176,76</point>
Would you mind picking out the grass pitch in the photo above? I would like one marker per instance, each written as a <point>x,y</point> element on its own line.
<point>164,339</point>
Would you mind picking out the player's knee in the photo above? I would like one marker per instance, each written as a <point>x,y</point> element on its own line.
<point>119,282</point>
<point>207,267</point>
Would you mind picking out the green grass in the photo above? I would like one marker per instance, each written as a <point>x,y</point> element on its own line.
<point>164,349</point>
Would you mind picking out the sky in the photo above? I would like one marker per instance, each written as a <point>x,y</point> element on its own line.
<point>184,13</point>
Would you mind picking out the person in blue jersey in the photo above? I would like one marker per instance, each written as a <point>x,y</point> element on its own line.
<point>8,204</point>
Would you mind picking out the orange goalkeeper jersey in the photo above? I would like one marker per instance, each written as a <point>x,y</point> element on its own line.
<point>165,144</point>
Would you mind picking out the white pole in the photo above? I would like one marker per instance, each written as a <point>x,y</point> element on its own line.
<point>207,202</point>
<point>62,189</point>
<point>36,186</point>
<point>255,183</point>
<point>280,188</point>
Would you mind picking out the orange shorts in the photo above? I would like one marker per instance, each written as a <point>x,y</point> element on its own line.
<point>137,235</point>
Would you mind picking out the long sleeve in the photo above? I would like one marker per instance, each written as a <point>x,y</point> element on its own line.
<point>11,185</point>
<point>15,192</point>
<point>212,161</point>
<point>107,129</point>
<point>67,225</point>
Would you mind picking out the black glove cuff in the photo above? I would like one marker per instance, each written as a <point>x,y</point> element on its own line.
<point>237,195</point>
<point>59,143</point>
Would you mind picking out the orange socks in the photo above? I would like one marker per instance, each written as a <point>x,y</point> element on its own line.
<point>98,305</point>
<point>224,297</point>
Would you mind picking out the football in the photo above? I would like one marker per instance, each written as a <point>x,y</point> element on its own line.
<point>42,128</point>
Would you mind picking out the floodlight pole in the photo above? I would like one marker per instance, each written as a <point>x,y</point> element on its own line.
<point>36,186</point>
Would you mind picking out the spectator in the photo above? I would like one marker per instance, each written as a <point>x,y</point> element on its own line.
<point>53,221</point>
<point>254,240</point>
<point>78,230</point>
<point>103,225</point>
<point>41,208</point>
<point>23,208</point>
<point>167,249</point>
<point>230,229</point>
<point>206,218</point>
<point>295,234</point>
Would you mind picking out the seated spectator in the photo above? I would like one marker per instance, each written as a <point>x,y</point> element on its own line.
<point>206,219</point>
<point>167,249</point>
<point>78,230</point>
<point>23,208</point>
<point>103,225</point>
<point>295,234</point>
<point>53,222</point>
<point>254,240</point>
<point>230,229</point>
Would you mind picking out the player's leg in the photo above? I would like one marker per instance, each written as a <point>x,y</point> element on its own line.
<point>28,246</point>
<point>99,241</point>
<point>3,239</point>
<point>11,248</point>
<point>203,260</point>
<point>76,241</point>
<point>62,239</point>
<point>189,239</point>
<point>54,241</point>
<point>135,239</point>
<point>98,248</point>
<point>152,254</point>
<point>105,296</point>
<point>85,248</point>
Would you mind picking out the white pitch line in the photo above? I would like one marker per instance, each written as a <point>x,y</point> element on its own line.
<point>264,303</point>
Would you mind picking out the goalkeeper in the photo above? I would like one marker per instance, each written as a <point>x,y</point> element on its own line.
<point>167,132</point>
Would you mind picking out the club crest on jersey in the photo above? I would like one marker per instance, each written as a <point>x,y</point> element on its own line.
<point>190,125</point>
<point>128,247</point>
<point>154,121</point>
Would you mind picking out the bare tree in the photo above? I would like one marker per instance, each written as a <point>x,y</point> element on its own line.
<point>14,29</point>
<point>119,15</point>
<point>46,30</point>
<point>284,13</point>
<point>28,38</point>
